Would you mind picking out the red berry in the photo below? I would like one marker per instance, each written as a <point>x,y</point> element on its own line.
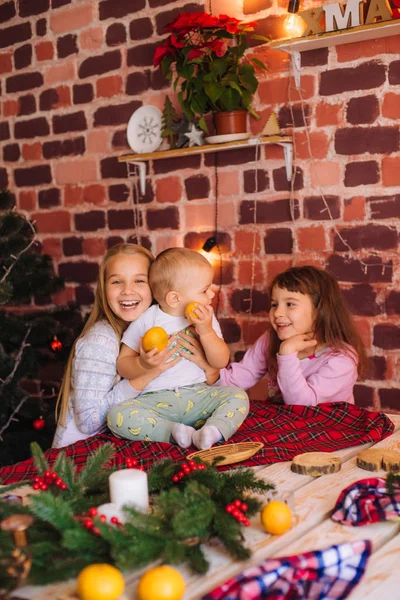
<point>236,513</point>
<point>88,523</point>
<point>244,506</point>
<point>54,475</point>
<point>103,518</point>
<point>64,486</point>
<point>175,478</point>
<point>36,486</point>
<point>246,523</point>
<point>181,474</point>
<point>192,464</point>
<point>43,486</point>
<point>47,474</point>
<point>93,511</point>
<point>229,508</point>
<point>114,520</point>
<point>141,468</point>
<point>96,531</point>
<point>237,503</point>
<point>36,480</point>
<point>58,481</point>
<point>186,469</point>
<point>202,467</point>
<point>39,423</point>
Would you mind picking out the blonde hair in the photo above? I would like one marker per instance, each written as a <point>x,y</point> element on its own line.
<point>100,311</point>
<point>168,267</point>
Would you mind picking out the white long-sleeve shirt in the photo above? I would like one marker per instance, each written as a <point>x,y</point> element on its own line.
<point>95,385</point>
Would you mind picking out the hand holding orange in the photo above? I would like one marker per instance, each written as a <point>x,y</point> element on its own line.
<point>161,583</point>
<point>100,581</point>
<point>189,312</point>
<point>156,337</point>
<point>276,517</point>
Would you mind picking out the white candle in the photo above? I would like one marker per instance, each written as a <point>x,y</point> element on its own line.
<point>110,510</point>
<point>129,487</point>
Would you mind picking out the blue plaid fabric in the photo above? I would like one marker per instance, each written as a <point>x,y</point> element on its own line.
<point>329,574</point>
<point>367,501</point>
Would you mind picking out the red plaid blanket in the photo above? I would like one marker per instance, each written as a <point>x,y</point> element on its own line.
<point>284,430</point>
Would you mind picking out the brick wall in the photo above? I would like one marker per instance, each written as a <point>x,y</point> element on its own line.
<point>71,74</point>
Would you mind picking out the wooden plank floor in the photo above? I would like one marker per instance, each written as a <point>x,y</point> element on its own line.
<point>313,500</point>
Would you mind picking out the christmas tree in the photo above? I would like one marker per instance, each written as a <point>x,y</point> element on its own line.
<point>34,341</point>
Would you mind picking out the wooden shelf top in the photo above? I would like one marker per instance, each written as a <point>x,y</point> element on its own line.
<point>271,139</point>
<point>344,36</point>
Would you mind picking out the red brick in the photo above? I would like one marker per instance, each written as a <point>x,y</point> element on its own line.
<point>355,51</point>
<point>44,51</point>
<point>311,238</point>
<point>52,247</point>
<point>247,242</point>
<point>27,200</point>
<point>64,71</point>
<point>391,171</point>
<point>357,140</point>
<point>251,330</point>
<point>365,76</point>
<point>94,194</point>
<point>94,246</point>
<point>64,96</point>
<point>32,151</point>
<point>91,39</point>
<point>391,106</point>
<point>372,269</point>
<point>6,65</point>
<point>53,221</point>
<point>390,399</point>
<point>274,267</point>
<point>328,114</point>
<point>168,189</point>
<point>385,207</point>
<point>276,90</point>
<point>325,174</point>
<point>64,297</point>
<point>72,195</point>
<point>319,143</point>
<point>387,336</point>
<point>109,86</point>
<point>197,187</point>
<point>354,209</point>
<point>364,329</point>
<point>278,241</point>
<point>361,173</point>
<point>10,108</point>
<point>71,19</point>
<point>378,237</point>
<point>363,110</point>
<point>245,275</point>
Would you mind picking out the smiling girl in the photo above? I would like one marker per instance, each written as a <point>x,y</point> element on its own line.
<point>91,384</point>
<point>312,352</point>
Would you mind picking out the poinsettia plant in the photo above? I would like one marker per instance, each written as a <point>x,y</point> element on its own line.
<point>204,55</point>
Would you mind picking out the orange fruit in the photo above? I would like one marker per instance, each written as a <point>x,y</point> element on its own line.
<point>156,337</point>
<point>100,581</point>
<point>161,583</point>
<point>189,314</point>
<point>276,517</point>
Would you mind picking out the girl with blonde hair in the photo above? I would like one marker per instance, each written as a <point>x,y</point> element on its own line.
<point>91,385</point>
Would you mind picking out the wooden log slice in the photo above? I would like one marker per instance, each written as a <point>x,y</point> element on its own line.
<point>316,464</point>
<point>370,460</point>
<point>391,461</point>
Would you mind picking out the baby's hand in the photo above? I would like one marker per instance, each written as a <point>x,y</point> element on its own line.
<point>201,317</point>
<point>297,343</point>
<point>154,359</point>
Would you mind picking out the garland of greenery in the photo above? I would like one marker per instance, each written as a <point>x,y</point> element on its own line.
<point>185,514</point>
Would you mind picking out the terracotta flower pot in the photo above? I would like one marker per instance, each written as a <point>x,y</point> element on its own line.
<point>234,121</point>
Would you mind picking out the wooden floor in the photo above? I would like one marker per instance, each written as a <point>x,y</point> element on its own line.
<point>312,500</point>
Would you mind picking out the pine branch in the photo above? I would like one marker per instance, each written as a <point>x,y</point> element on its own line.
<point>18,256</point>
<point>39,458</point>
<point>17,362</point>
<point>95,471</point>
<point>12,416</point>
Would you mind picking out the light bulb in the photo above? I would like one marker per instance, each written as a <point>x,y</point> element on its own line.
<point>293,26</point>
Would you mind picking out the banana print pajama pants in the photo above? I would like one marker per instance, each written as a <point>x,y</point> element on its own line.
<point>152,415</point>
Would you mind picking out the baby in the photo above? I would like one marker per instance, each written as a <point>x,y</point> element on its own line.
<point>178,405</point>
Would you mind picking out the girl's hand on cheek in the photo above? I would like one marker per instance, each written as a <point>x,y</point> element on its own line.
<point>298,343</point>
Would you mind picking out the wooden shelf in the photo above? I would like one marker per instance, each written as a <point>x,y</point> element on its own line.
<point>139,159</point>
<point>272,139</point>
<point>344,36</point>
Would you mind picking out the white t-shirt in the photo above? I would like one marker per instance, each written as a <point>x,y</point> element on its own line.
<point>184,372</point>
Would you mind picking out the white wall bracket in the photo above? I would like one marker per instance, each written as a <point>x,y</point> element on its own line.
<point>296,66</point>
<point>288,152</point>
<point>142,174</point>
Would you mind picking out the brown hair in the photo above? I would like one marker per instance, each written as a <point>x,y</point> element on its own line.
<point>100,311</point>
<point>333,325</point>
<point>169,266</point>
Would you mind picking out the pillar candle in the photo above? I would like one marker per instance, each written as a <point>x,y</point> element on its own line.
<point>110,510</point>
<point>129,487</point>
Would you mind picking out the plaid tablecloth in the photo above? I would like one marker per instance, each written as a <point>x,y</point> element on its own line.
<point>367,501</point>
<point>284,430</point>
<point>328,574</point>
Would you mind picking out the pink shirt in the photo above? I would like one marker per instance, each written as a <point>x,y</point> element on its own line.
<point>328,376</point>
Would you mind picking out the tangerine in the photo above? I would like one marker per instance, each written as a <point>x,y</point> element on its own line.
<point>189,313</point>
<point>161,583</point>
<point>100,581</point>
<point>156,337</point>
<point>276,517</point>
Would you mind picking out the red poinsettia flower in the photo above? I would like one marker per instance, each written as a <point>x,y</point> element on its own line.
<point>194,53</point>
<point>218,46</point>
<point>206,20</point>
<point>174,41</point>
<point>185,22</point>
<point>161,51</point>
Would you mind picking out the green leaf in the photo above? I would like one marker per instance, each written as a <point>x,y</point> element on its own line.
<point>219,65</point>
<point>262,38</point>
<point>202,124</point>
<point>259,63</point>
<point>213,91</point>
<point>230,99</point>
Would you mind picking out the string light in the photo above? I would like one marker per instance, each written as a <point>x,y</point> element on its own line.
<point>209,244</point>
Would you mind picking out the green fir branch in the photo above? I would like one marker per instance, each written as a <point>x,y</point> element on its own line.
<point>39,458</point>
